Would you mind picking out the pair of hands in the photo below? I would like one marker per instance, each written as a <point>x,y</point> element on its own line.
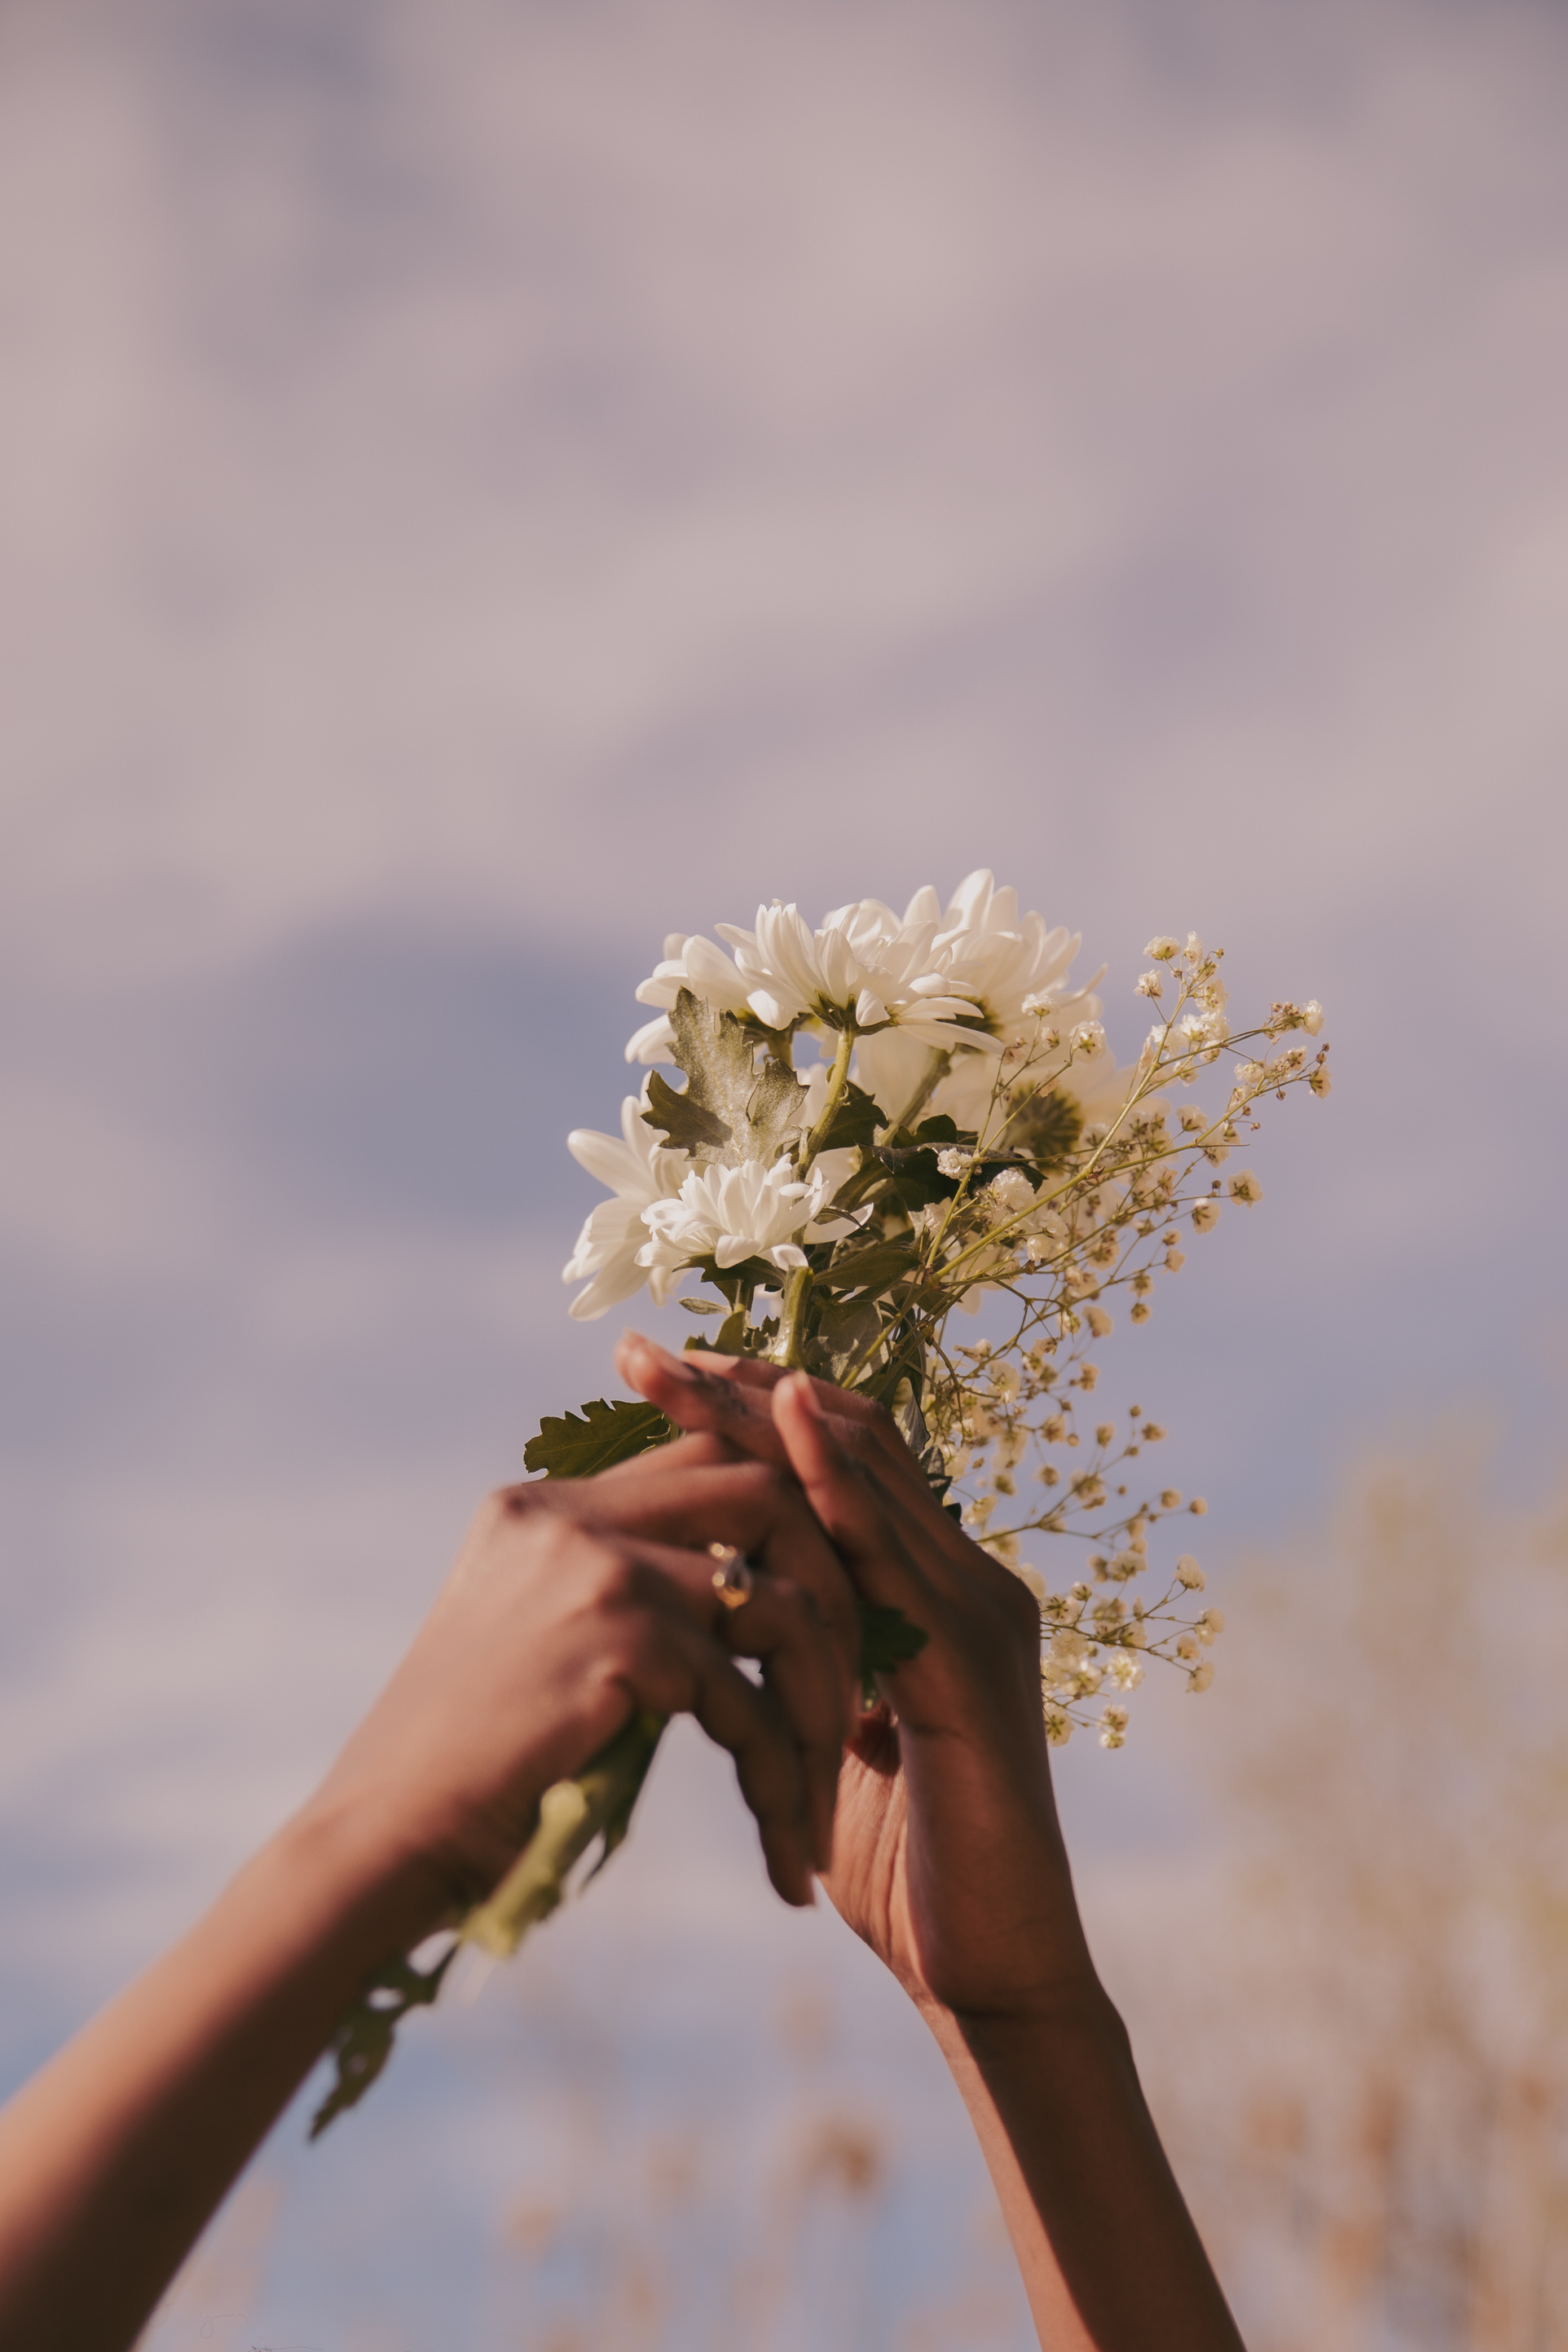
<point>576,1601</point>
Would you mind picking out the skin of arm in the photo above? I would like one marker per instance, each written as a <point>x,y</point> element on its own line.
<point>560,1618</point>
<point>949,1861</point>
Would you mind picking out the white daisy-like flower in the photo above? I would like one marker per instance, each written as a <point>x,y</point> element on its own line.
<point>729,1213</point>
<point>1009,966</point>
<point>639,1168</point>
<point>862,969</point>
<point>1013,972</point>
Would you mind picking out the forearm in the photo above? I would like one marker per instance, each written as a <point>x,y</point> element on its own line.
<point>113,2159</point>
<point>1111,2260</point>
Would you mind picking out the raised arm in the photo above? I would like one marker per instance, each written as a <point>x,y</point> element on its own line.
<point>949,1861</point>
<point>570,1607</point>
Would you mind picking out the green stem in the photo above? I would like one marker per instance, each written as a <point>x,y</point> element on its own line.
<point>937,1065</point>
<point>837,1081</point>
<point>572,1814</point>
<point>792,1320</point>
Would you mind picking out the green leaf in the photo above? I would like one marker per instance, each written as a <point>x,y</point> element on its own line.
<point>871,1269</point>
<point>689,1126</point>
<point>854,1122</point>
<point>733,1108</point>
<point>570,1447</point>
<point>844,1335</point>
<point>888,1640</point>
<point>917,1179</point>
<point>363,2042</point>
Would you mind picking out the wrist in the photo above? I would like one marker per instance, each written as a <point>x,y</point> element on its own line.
<point>1069,2024</point>
<point>351,1871</point>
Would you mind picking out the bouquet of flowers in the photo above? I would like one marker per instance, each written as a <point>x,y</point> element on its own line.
<point>962,1135</point>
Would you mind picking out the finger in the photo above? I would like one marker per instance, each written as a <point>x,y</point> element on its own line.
<point>682,1668</point>
<point>698,1398</point>
<point>861,1518</point>
<point>760,1511</point>
<point>906,1554</point>
<point>731,1397</point>
<point>780,1625</point>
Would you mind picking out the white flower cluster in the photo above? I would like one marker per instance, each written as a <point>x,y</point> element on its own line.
<point>971,1137</point>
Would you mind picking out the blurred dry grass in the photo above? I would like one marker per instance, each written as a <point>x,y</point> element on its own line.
<point>1361,2062</point>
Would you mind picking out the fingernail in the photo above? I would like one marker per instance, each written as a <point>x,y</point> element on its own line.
<point>805,1394</point>
<point>646,1347</point>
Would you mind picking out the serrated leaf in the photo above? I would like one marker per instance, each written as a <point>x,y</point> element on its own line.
<point>689,1126</point>
<point>731,1109</point>
<point>569,1446</point>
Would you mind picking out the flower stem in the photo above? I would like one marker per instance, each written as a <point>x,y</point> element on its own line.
<point>937,1065</point>
<point>792,1320</point>
<point>837,1081</point>
<point>572,1814</point>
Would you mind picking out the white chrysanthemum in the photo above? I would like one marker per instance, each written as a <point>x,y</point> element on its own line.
<point>732,1214</point>
<point>639,1168</point>
<point>1008,965</point>
<point>863,967</point>
<point>1010,969</point>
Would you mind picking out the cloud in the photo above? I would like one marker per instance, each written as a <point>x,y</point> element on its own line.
<point>461,445</point>
<point>483,485</point>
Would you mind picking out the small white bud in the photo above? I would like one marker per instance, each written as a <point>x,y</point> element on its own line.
<point>1189,1573</point>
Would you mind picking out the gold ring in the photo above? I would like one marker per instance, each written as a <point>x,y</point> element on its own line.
<point>732,1578</point>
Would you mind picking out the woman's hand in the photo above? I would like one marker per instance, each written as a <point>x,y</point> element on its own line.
<point>575,1602</point>
<point>571,1605</point>
<point>948,1857</point>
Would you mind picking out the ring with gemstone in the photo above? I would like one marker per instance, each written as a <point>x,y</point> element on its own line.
<point>732,1578</point>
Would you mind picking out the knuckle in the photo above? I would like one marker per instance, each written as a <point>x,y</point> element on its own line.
<point>800,1607</point>
<point>618,1578</point>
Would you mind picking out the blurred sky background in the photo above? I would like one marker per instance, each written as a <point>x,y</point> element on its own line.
<point>485,485</point>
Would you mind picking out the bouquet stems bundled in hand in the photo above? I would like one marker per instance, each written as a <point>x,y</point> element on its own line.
<point>963,1135</point>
